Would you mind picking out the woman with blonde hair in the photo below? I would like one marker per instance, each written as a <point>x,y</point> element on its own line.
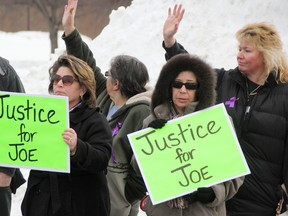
<point>255,96</point>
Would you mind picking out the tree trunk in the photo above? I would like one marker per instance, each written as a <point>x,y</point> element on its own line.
<point>53,35</point>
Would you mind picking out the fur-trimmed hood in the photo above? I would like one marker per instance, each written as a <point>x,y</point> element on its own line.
<point>206,76</point>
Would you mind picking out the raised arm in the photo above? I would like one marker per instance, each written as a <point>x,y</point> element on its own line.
<point>68,19</point>
<point>77,47</point>
<point>171,24</point>
<point>170,28</point>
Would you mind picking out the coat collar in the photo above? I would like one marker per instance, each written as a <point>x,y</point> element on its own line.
<point>238,77</point>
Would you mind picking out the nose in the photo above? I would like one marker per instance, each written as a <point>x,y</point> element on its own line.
<point>183,89</point>
<point>240,54</point>
<point>60,83</point>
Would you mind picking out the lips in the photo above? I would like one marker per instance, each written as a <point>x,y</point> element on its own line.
<point>182,100</point>
<point>59,93</point>
<point>241,63</point>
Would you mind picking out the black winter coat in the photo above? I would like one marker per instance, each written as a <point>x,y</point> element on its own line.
<point>262,132</point>
<point>84,191</point>
<point>10,82</point>
<point>9,79</point>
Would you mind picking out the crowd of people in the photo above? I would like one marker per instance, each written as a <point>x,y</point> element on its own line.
<point>105,107</point>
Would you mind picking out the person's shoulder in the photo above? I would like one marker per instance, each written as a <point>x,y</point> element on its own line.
<point>141,99</point>
<point>139,110</point>
<point>281,89</point>
<point>3,65</point>
<point>223,70</point>
<point>139,106</point>
<point>93,115</point>
<point>6,69</point>
<point>147,120</point>
<point>3,59</point>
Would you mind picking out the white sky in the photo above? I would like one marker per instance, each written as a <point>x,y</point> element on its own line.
<point>207,29</point>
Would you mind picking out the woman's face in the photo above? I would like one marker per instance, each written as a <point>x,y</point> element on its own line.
<point>250,60</point>
<point>182,96</point>
<point>111,86</point>
<point>72,89</point>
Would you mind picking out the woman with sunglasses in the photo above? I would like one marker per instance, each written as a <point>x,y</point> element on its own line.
<point>124,99</point>
<point>189,85</point>
<point>255,95</point>
<point>84,190</point>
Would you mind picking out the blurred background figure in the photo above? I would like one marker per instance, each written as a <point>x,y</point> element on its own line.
<point>10,178</point>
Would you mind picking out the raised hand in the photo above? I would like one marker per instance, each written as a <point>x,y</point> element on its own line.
<point>171,24</point>
<point>69,16</point>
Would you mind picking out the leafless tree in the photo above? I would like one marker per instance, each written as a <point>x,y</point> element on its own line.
<point>98,12</point>
<point>52,10</point>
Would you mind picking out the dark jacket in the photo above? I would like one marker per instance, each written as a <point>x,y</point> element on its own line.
<point>83,192</point>
<point>10,82</point>
<point>9,79</point>
<point>127,119</point>
<point>163,109</point>
<point>263,136</point>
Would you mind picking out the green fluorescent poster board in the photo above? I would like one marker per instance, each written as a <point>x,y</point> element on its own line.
<point>31,132</point>
<point>197,150</point>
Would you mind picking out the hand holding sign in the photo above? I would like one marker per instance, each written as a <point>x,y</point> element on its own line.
<point>190,152</point>
<point>29,125</point>
<point>70,137</point>
<point>157,123</point>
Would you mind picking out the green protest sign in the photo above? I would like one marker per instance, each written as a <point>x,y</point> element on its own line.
<point>197,150</point>
<point>31,132</point>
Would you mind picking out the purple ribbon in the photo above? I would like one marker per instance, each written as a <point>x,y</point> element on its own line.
<point>231,102</point>
<point>115,131</point>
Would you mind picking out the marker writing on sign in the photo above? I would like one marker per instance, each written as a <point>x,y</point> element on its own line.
<point>27,111</point>
<point>194,176</point>
<point>180,136</point>
<point>22,153</point>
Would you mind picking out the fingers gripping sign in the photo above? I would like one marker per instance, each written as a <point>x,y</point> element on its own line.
<point>70,138</point>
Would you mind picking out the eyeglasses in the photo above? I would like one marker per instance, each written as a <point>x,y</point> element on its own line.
<point>188,85</point>
<point>67,80</point>
<point>107,73</point>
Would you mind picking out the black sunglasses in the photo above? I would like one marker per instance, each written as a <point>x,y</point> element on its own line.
<point>67,80</point>
<point>188,85</point>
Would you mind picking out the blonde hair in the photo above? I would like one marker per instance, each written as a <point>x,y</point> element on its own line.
<point>266,39</point>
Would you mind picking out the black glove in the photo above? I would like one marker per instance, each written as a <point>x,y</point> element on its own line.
<point>205,195</point>
<point>157,123</point>
<point>191,198</point>
<point>135,188</point>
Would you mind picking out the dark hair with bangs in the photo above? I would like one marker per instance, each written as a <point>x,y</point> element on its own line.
<point>206,94</point>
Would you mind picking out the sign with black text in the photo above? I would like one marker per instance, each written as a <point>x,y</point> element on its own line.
<point>197,150</point>
<point>31,132</point>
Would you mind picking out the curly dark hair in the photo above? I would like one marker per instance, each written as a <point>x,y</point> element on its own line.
<point>206,76</point>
